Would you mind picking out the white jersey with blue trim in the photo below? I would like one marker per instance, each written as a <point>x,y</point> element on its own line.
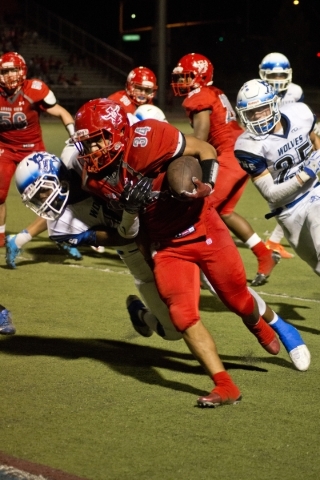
<point>294,93</point>
<point>282,153</point>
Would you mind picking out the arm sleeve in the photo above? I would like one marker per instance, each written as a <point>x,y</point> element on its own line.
<point>276,193</point>
<point>49,100</point>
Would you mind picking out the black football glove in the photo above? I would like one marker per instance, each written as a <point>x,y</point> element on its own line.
<point>135,197</point>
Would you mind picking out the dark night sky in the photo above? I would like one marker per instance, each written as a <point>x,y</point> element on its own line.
<point>250,29</point>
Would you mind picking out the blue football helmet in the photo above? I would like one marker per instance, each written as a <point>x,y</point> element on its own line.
<point>38,182</point>
<point>254,95</point>
<point>275,69</point>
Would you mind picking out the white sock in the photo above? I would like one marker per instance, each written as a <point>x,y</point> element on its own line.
<point>2,228</point>
<point>22,238</point>
<point>253,240</point>
<point>274,320</point>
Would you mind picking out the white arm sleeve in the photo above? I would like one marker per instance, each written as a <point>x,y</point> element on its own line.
<point>50,99</point>
<point>276,193</point>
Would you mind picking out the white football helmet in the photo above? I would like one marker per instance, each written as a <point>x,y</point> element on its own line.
<point>254,95</point>
<point>275,69</point>
<point>150,111</point>
<point>38,182</point>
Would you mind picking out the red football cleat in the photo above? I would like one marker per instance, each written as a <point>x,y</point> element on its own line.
<point>213,399</point>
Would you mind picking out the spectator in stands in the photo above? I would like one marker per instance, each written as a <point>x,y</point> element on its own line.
<point>75,80</point>
<point>62,80</point>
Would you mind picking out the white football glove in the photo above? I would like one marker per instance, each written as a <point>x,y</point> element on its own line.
<point>311,165</point>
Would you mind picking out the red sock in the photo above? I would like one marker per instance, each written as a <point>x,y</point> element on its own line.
<point>265,335</point>
<point>225,387</point>
<point>260,249</point>
<point>264,256</point>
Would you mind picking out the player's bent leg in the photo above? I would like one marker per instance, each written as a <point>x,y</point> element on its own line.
<point>233,292</point>
<point>156,315</point>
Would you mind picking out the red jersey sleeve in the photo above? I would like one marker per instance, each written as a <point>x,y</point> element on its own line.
<point>122,98</point>
<point>152,145</point>
<point>224,128</point>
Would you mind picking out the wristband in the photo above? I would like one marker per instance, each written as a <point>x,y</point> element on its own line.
<point>70,129</point>
<point>304,177</point>
<point>209,171</point>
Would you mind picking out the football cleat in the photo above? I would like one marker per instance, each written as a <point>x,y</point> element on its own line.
<point>12,251</point>
<point>262,277</point>
<point>293,343</point>
<point>136,310</point>
<point>69,250</point>
<point>213,400</point>
<point>6,325</point>
<point>277,247</point>
<point>300,357</point>
<point>2,239</point>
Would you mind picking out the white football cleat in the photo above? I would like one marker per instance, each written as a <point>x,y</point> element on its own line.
<point>301,357</point>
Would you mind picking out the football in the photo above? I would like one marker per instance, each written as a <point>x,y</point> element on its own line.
<point>180,173</point>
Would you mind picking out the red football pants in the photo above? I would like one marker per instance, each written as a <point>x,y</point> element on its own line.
<point>9,159</point>
<point>176,271</point>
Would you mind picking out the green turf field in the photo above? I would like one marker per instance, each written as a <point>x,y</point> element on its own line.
<point>81,391</point>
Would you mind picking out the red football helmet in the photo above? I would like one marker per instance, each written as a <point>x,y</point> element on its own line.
<point>192,71</point>
<point>141,85</point>
<point>102,132</point>
<point>13,70</point>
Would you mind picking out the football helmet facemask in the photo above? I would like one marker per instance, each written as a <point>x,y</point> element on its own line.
<point>192,71</point>
<point>13,70</point>
<point>254,96</point>
<point>38,182</point>
<point>275,69</point>
<point>102,132</point>
<point>141,85</point>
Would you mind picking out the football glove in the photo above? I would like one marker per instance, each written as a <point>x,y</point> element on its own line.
<point>202,189</point>
<point>135,197</point>
<point>311,165</point>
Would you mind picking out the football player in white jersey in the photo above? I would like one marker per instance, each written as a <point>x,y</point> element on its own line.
<point>279,150</point>
<point>275,68</point>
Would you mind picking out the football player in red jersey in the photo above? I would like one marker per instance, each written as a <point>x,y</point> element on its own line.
<point>21,102</point>
<point>214,120</point>
<point>184,235</point>
<point>140,89</point>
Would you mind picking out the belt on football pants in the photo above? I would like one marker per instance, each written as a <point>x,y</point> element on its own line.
<point>279,210</point>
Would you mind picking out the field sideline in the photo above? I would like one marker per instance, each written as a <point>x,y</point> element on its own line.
<point>83,394</point>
